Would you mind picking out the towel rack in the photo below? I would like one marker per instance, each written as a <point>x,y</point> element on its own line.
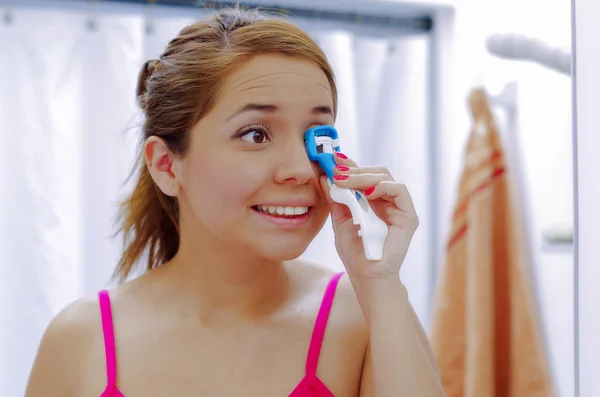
<point>524,48</point>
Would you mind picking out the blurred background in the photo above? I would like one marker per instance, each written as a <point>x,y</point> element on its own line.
<point>406,70</point>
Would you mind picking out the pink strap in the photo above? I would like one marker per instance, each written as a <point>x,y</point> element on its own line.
<point>314,349</point>
<point>316,340</point>
<point>109,339</point>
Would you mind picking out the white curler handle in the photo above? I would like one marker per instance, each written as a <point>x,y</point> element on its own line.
<point>372,229</point>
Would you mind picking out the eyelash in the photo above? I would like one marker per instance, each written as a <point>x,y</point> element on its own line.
<point>253,128</point>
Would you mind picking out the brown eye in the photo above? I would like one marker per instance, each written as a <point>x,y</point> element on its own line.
<point>255,135</point>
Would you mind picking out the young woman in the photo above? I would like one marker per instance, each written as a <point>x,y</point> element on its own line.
<point>226,200</point>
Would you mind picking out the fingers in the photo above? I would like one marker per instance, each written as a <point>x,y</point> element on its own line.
<point>359,181</point>
<point>398,194</point>
<point>344,169</point>
<point>377,183</point>
<point>346,165</point>
<point>341,158</point>
<point>392,190</point>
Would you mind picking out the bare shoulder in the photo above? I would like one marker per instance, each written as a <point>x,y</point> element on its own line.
<point>348,301</point>
<point>347,314</point>
<point>346,318</point>
<point>345,305</point>
<point>64,349</point>
<point>346,335</point>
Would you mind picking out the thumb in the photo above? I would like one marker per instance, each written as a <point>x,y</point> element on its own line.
<point>339,212</point>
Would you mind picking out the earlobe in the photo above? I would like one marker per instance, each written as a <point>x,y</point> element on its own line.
<point>160,163</point>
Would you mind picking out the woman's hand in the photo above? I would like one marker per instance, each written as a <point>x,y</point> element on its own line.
<point>390,201</point>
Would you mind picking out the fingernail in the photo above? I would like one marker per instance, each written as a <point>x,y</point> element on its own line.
<point>342,155</point>
<point>340,177</point>
<point>341,167</point>
<point>370,190</point>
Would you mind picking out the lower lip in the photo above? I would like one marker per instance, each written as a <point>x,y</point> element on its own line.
<point>282,221</point>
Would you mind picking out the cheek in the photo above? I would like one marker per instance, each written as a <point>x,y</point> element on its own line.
<point>217,182</point>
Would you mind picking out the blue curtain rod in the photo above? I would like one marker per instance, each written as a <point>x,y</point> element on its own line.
<point>417,24</point>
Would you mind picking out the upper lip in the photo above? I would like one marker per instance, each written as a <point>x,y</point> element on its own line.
<point>289,203</point>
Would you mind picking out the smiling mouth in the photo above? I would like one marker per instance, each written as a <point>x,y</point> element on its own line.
<point>279,211</point>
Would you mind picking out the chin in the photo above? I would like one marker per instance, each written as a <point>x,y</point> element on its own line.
<point>280,250</point>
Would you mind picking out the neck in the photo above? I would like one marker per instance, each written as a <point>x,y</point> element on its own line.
<point>218,282</point>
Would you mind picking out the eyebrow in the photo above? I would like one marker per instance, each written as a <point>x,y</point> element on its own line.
<point>264,108</point>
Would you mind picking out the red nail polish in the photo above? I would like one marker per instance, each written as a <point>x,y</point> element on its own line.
<point>341,167</point>
<point>341,177</point>
<point>342,155</point>
<point>370,190</point>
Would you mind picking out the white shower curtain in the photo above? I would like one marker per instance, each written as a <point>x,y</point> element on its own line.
<point>68,136</point>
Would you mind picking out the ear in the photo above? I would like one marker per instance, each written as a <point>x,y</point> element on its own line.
<point>160,164</point>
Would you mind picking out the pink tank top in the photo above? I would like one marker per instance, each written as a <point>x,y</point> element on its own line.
<point>309,386</point>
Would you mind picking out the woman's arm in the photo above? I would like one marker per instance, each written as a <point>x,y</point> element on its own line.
<point>398,356</point>
<point>399,360</point>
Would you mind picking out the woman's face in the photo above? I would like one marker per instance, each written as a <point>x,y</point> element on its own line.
<point>247,179</point>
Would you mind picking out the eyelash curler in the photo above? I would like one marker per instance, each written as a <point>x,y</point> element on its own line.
<point>321,145</point>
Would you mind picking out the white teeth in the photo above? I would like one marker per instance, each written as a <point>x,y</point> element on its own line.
<point>279,210</point>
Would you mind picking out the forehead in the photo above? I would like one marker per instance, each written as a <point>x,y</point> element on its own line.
<point>278,78</point>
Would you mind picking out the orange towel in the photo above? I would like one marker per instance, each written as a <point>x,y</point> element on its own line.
<point>485,331</point>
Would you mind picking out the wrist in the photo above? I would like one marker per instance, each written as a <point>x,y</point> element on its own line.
<point>384,297</point>
<point>383,285</point>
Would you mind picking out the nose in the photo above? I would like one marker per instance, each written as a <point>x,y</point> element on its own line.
<point>294,165</point>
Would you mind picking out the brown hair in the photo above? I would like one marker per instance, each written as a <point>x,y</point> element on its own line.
<point>175,92</point>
